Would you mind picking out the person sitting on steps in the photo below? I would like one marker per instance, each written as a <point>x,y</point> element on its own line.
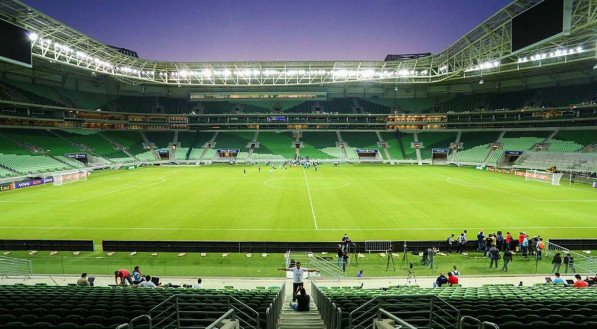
<point>302,301</point>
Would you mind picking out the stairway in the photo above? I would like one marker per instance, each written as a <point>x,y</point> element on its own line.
<point>291,319</point>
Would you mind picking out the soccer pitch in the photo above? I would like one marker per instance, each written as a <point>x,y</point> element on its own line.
<point>369,202</point>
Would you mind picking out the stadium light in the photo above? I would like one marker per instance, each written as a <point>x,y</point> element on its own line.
<point>33,36</point>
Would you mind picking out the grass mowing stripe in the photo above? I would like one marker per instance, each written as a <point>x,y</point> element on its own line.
<point>310,200</point>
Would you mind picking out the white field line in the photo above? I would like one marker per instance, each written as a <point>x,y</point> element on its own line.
<point>281,229</point>
<point>310,200</point>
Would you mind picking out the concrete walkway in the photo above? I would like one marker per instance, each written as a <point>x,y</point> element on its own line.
<point>249,283</point>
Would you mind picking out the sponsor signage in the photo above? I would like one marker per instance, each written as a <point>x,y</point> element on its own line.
<point>513,153</point>
<point>440,150</point>
<point>33,182</point>
<point>228,150</point>
<point>276,119</point>
<point>367,151</point>
<point>76,155</point>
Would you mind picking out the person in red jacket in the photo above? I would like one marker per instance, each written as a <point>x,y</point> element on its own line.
<point>122,274</point>
<point>520,240</point>
<point>508,241</point>
<point>452,279</point>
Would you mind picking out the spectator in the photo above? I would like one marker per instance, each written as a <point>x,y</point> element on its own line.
<point>579,283</point>
<point>137,276</point>
<point>455,271</point>
<point>198,284</point>
<point>569,262</point>
<point>558,279</point>
<point>480,240</point>
<point>147,283</point>
<point>344,262</point>
<point>122,274</point>
<point>345,242</point>
<point>488,244</point>
<point>500,241</point>
<point>508,241</point>
<point>450,242</point>
<point>430,256</point>
<point>494,256</point>
<point>83,280</point>
<point>540,247</point>
<point>557,262</point>
<point>441,280</point>
<point>340,253</point>
<point>520,239</point>
<point>297,277</point>
<point>525,246</point>
<point>452,279</point>
<point>302,300</point>
<point>460,242</point>
<point>360,274</point>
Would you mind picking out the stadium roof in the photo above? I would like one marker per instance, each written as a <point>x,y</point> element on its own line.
<point>482,52</point>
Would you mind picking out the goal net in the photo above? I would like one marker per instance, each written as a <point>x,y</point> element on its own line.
<point>543,176</point>
<point>70,177</point>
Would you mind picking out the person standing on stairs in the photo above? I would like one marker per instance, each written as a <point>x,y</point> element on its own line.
<point>297,277</point>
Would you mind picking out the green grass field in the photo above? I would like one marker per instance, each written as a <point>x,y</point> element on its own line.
<point>370,202</point>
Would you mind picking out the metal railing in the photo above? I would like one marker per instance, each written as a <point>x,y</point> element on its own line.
<point>480,324</point>
<point>15,266</point>
<point>193,310</point>
<point>330,313</point>
<point>582,263</point>
<point>433,311</point>
<point>381,313</point>
<point>220,322</point>
<point>272,314</point>
<point>326,268</point>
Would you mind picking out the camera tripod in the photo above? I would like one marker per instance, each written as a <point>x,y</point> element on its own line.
<point>404,255</point>
<point>355,254</point>
<point>411,275</point>
<point>390,260</point>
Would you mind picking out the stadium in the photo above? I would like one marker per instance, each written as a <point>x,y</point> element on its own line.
<point>379,175</point>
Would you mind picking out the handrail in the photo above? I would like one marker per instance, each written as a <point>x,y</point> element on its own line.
<point>272,314</point>
<point>220,319</point>
<point>488,323</point>
<point>330,313</point>
<point>464,318</point>
<point>362,314</point>
<point>143,316</point>
<point>395,318</point>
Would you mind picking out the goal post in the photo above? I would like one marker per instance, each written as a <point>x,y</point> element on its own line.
<point>543,176</point>
<point>70,177</point>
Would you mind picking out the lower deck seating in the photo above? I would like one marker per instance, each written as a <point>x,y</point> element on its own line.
<point>506,305</point>
<point>31,164</point>
<point>98,307</point>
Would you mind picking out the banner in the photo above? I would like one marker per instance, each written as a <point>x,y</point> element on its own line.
<point>32,182</point>
<point>440,150</point>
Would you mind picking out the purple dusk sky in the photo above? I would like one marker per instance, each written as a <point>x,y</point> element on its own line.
<point>259,30</point>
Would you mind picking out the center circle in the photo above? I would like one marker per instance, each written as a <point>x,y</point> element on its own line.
<point>298,183</point>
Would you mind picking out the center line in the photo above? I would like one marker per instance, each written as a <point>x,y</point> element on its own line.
<point>310,200</point>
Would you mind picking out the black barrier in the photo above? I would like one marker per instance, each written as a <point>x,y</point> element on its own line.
<point>52,245</point>
<point>575,244</point>
<point>259,246</point>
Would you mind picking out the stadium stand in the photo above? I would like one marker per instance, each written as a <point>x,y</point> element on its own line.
<point>43,306</point>
<point>275,144</point>
<point>506,305</point>
<point>160,139</point>
<point>435,140</point>
<point>93,141</point>
<point>582,137</point>
<point>339,105</point>
<point>31,164</point>
<point>395,148</point>
<point>131,141</point>
<point>314,144</point>
<point>562,161</point>
<point>476,146</point>
<point>360,140</point>
<point>50,143</point>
